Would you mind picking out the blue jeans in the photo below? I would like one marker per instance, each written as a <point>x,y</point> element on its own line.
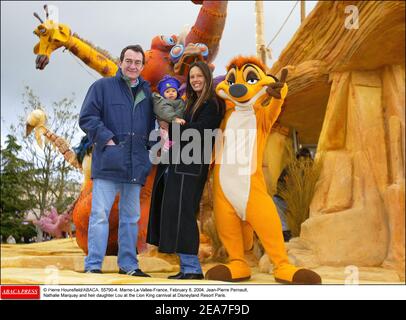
<point>281,208</point>
<point>189,263</point>
<point>103,195</point>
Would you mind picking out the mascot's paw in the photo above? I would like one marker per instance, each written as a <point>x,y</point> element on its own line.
<point>223,273</point>
<point>302,276</point>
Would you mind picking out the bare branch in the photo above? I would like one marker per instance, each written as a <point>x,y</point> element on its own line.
<point>52,172</point>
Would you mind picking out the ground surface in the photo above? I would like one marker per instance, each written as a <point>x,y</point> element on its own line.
<point>61,262</point>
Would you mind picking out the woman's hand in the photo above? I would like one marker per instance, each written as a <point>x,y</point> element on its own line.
<point>180,121</point>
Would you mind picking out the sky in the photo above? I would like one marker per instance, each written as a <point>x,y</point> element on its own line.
<point>112,26</point>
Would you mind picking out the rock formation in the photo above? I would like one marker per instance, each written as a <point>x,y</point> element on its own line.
<point>347,94</point>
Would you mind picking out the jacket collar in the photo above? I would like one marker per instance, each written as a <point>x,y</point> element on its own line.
<point>120,75</point>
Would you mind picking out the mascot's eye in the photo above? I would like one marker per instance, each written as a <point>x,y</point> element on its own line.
<point>231,79</point>
<point>204,49</point>
<point>176,52</point>
<point>252,81</point>
<point>252,78</point>
<point>169,40</point>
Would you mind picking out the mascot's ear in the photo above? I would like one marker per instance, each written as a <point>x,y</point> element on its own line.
<point>272,76</point>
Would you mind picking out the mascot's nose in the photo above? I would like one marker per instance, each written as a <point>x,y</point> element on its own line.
<point>238,90</point>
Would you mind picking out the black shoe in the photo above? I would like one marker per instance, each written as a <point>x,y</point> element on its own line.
<point>287,235</point>
<point>93,271</point>
<point>135,273</point>
<point>176,276</point>
<point>187,276</point>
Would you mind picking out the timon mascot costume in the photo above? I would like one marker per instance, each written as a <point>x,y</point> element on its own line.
<point>241,202</point>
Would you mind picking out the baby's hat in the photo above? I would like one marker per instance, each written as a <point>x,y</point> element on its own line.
<point>166,83</point>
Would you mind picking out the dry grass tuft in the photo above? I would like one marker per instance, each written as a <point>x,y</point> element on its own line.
<point>298,191</point>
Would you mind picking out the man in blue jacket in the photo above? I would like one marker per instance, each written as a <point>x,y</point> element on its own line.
<point>117,115</point>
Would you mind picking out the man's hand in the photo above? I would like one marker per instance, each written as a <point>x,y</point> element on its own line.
<point>110,143</point>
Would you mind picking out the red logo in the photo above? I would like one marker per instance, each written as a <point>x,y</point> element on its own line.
<point>20,292</point>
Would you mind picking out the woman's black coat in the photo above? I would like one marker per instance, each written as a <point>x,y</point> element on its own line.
<point>175,199</point>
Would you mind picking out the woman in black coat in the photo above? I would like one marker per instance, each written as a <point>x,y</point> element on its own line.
<point>179,185</point>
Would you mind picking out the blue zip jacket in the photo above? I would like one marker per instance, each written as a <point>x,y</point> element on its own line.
<point>110,111</point>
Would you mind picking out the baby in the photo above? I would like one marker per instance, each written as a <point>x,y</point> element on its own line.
<point>168,106</point>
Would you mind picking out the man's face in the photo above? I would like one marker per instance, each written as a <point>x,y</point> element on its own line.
<point>131,66</point>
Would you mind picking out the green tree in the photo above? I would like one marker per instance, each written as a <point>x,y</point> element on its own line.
<point>16,178</point>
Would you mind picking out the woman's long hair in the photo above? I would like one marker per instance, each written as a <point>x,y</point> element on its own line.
<point>194,102</point>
